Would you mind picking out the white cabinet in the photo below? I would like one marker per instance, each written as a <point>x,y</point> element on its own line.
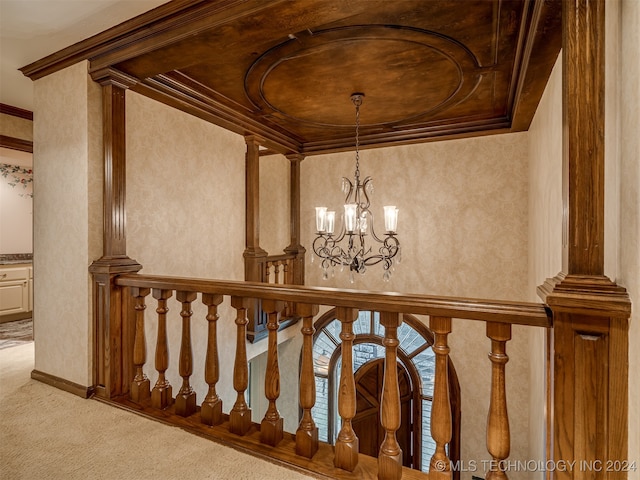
<point>14,290</point>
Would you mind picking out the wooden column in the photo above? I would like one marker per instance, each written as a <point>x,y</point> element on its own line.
<point>162,393</point>
<point>240,415</point>
<point>441,423</point>
<point>307,433</point>
<point>112,372</point>
<point>498,436</point>
<point>253,253</point>
<point>211,409</point>
<point>186,397</point>
<point>390,455</point>
<point>272,426</point>
<point>591,313</point>
<point>295,247</point>
<point>347,444</point>
<point>141,386</point>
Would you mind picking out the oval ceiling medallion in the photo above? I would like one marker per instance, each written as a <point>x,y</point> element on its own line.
<point>404,74</point>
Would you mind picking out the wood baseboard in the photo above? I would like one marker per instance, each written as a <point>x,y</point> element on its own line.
<point>62,384</point>
<point>15,316</point>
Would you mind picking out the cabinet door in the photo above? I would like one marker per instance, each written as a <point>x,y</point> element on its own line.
<point>14,297</point>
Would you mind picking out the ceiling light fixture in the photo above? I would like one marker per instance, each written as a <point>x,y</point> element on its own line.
<point>357,226</point>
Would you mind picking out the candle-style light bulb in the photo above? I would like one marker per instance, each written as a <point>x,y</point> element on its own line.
<point>390,218</point>
<point>350,217</point>
<point>321,214</point>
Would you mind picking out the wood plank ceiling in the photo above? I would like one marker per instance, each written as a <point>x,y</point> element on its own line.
<point>284,70</point>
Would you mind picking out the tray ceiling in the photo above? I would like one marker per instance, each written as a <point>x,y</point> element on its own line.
<point>284,71</point>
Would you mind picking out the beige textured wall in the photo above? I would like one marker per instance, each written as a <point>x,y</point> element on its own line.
<point>545,239</point>
<point>274,204</point>
<point>16,127</point>
<point>185,204</point>
<point>629,270</point>
<point>67,205</point>
<point>463,230</point>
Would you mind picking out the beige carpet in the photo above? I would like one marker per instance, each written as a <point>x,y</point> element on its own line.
<point>46,433</point>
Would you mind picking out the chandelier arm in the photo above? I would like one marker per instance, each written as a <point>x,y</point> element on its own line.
<point>372,229</point>
<point>364,191</point>
<point>346,181</point>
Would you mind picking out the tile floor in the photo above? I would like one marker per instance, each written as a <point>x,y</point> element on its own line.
<point>15,333</point>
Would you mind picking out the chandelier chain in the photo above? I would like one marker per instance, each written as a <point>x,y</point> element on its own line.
<point>357,103</point>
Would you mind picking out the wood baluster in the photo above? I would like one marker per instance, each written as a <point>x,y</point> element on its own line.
<point>140,386</point>
<point>211,409</point>
<point>186,398</point>
<point>307,433</point>
<point>267,271</point>
<point>347,444</point>
<point>441,428</point>
<point>276,266</point>
<point>240,415</point>
<point>498,436</point>
<point>288,306</point>
<point>272,426</point>
<point>162,393</point>
<point>390,455</point>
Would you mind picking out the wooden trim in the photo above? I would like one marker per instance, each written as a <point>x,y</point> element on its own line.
<point>16,111</point>
<point>107,40</point>
<point>114,145</point>
<point>62,384</point>
<point>16,144</point>
<point>532,314</point>
<point>583,86</point>
<point>543,36</point>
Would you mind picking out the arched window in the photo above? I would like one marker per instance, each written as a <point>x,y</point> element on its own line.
<point>416,365</point>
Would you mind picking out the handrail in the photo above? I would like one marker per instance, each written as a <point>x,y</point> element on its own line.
<point>518,313</point>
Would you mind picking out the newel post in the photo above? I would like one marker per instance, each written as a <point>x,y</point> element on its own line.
<point>113,334</point>
<point>295,247</point>
<point>254,255</point>
<point>590,312</point>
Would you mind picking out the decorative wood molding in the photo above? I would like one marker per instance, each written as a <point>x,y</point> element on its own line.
<point>16,144</point>
<point>543,35</point>
<point>62,384</point>
<point>113,76</point>
<point>16,111</point>
<point>583,140</point>
<point>585,295</point>
<point>487,82</point>
<point>590,312</point>
<point>112,38</point>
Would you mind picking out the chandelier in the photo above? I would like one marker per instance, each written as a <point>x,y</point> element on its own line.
<point>349,247</point>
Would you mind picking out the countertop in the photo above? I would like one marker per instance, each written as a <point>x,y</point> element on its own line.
<point>16,258</point>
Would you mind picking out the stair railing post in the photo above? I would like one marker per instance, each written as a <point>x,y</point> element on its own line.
<point>390,455</point>
<point>307,433</point>
<point>347,444</point>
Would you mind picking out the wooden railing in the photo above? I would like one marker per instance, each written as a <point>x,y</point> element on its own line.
<point>284,269</point>
<point>133,388</point>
